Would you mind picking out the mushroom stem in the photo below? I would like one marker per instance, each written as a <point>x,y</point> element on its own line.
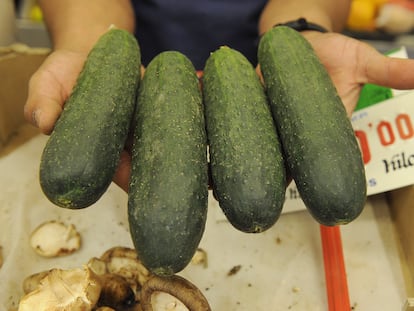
<point>176,286</point>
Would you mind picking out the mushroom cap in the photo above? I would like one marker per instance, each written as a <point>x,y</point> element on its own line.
<point>54,238</point>
<point>75,289</point>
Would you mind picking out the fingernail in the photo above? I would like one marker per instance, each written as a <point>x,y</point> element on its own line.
<point>35,117</point>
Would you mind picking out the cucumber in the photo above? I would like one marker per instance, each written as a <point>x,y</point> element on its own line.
<point>320,147</point>
<point>82,153</point>
<point>247,169</point>
<point>167,204</point>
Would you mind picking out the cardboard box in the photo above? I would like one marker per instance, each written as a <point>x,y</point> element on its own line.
<point>17,63</point>
<point>401,203</point>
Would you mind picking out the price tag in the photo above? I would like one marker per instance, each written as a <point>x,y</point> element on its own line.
<point>385,133</point>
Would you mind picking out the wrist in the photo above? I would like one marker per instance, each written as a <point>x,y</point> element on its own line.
<point>275,13</point>
<point>303,25</point>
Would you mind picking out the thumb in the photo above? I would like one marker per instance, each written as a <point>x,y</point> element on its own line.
<point>397,73</point>
<point>44,102</point>
<point>50,86</point>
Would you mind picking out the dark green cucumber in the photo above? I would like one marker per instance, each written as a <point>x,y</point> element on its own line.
<point>246,161</point>
<point>168,189</point>
<point>82,153</point>
<point>320,147</point>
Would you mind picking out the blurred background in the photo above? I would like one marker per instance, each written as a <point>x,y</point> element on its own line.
<point>386,24</point>
<point>383,23</point>
<point>21,21</point>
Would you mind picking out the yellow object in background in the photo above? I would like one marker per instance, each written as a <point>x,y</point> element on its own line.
<point>36,14</point>
<point>363,13</point>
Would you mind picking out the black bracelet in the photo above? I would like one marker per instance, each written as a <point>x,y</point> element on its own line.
<point>302,24</point>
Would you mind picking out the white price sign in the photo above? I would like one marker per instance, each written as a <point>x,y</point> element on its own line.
<point>385,133</point>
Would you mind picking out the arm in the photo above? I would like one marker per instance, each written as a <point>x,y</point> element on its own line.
<point>76,24</point>
<point>331,14</point>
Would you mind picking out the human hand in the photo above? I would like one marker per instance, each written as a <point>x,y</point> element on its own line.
<point>352,63</point>
<point>50,86</point>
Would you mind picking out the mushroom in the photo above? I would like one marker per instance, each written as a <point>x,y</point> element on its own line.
<point>116,292</point>
<point>115,281</point>
<point>54,238</point>
<point>177,286</point>
<point>76,290</point>
<point>125,262</point>
<point>97,265</point>
<point>121,274</point>
<point>32,282</point>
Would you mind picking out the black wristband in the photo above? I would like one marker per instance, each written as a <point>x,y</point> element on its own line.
<point>302,24</point>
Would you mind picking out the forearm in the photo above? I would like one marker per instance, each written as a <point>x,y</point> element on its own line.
<point>77,24</point>
<point>331,14</point>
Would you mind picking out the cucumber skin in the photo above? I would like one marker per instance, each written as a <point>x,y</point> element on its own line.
<point>319,143</point>
<point>247,166</point>
<point>167,204</point>
<point>82,153</point>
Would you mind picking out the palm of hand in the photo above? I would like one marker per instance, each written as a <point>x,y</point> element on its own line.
<point>352,63</point>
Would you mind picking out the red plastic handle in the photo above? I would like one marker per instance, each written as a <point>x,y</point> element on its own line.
<point>335,272</point>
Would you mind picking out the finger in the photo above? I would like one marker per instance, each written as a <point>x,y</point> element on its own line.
<point>259,73</point>
<point>388,71</point>
<point>44,103</point>
<point>40,117</point>
<point>142,68</point>
<point>123,172</point>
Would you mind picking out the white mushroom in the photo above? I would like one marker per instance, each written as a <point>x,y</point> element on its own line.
<point>75,290</point>
<point>32,282</point>
<point>125,262</point>
<point>54,238</point>
<point>97,265</point>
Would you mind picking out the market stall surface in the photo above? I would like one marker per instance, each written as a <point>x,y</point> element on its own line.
<point>280,269</point>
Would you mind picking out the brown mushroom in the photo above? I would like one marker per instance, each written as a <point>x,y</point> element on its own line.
<point>177,286</point>
<point>116,292</point>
